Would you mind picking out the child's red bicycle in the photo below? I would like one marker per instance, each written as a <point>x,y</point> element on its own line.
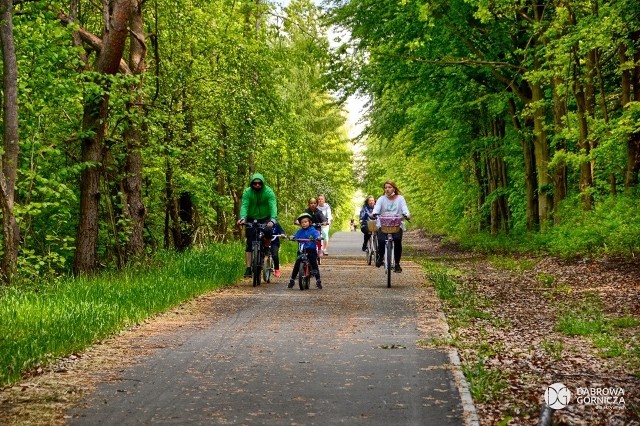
<point>304,272</point>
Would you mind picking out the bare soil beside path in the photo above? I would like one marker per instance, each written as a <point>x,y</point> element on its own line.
<point>517,337</point>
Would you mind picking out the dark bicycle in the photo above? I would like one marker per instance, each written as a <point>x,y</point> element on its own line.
<point>372,245</point>
<point>260,246</point>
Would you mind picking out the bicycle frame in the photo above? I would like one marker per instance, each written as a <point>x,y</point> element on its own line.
<point>372,248</point>
<point>304,273</point>
<point>389,226</point>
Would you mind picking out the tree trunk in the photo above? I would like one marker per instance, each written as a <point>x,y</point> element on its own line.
<point>630,84</point>
<point>541,154</point>
<point>9,170</point>
<point>586,179</point>
<point>479,170</point>
<point>530,180</point>
<point>633,94</point>
<point>133,205</point>
<point>560,170</point>
<point>94,124</point>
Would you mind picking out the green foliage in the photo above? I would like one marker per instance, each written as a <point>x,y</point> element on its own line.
<point>58,318</point>
<point>512,264</point>
<point>583,318</point>
<point>484,384</point>
<point>552,348</point>
<point>444,77</point>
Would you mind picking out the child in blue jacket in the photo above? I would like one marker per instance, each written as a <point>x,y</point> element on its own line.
<point>306,231</point>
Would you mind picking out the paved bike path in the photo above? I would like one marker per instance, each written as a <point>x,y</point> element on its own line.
<point>350,353</point>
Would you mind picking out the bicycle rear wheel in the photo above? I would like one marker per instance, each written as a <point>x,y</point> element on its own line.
<point>267,268</point>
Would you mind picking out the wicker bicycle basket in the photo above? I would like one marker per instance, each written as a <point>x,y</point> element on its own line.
<point>390,224</point>
<point>371,226</point>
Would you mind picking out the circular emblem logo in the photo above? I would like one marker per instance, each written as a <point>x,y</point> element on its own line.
<point>557,396</point>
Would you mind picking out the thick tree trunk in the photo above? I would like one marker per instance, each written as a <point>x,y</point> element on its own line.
<point>9,170</point>
<point>94,124</point>
<point>133,205</point>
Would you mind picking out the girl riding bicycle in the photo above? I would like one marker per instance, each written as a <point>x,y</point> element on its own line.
<point>307,232</point>
<point>365,212</point>
<point>390,204</point>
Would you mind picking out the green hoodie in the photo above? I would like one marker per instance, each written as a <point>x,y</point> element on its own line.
<point>258,204</point>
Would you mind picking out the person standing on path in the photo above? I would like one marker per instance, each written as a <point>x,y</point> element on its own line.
<point>258,203</point>
<point>324,207</point>
<point>392,203</point>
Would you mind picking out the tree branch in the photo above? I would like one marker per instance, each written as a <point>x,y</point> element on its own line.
<point>93,41</point>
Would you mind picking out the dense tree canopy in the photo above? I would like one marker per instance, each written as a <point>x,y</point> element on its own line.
<point>518,117</point>
<point>141,123</point>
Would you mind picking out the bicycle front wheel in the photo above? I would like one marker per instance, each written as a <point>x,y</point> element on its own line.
<point>389,258</point>
<point>303,266</point>
<point>256,265</point>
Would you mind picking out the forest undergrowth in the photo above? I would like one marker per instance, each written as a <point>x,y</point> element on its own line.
<point>522,323</point>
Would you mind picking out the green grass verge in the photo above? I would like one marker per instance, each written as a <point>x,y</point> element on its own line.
<point>41,323</point>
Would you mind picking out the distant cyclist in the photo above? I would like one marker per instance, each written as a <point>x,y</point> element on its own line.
<point>365,217</point>
<point>391,203</point>
<point>258,203</point>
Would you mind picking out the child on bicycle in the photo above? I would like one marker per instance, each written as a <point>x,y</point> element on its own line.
<point>306,231</point>
<point>317,220</point>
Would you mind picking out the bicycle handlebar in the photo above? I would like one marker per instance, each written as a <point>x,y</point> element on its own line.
<point>404,216</point>
<point>305,240</point>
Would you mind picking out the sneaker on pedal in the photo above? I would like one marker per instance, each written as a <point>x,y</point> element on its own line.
<point>276,273</point>
<point>247,272</point>
<point>364,246</point>
<point>291,283</point>
<point>378,262</point>
<point>397,268</point>
<point>319,284</point>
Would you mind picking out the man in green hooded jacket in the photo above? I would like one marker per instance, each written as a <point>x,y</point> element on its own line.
<point>258,203</point>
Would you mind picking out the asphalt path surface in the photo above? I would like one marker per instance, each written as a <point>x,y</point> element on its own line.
<point>353,352</point>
